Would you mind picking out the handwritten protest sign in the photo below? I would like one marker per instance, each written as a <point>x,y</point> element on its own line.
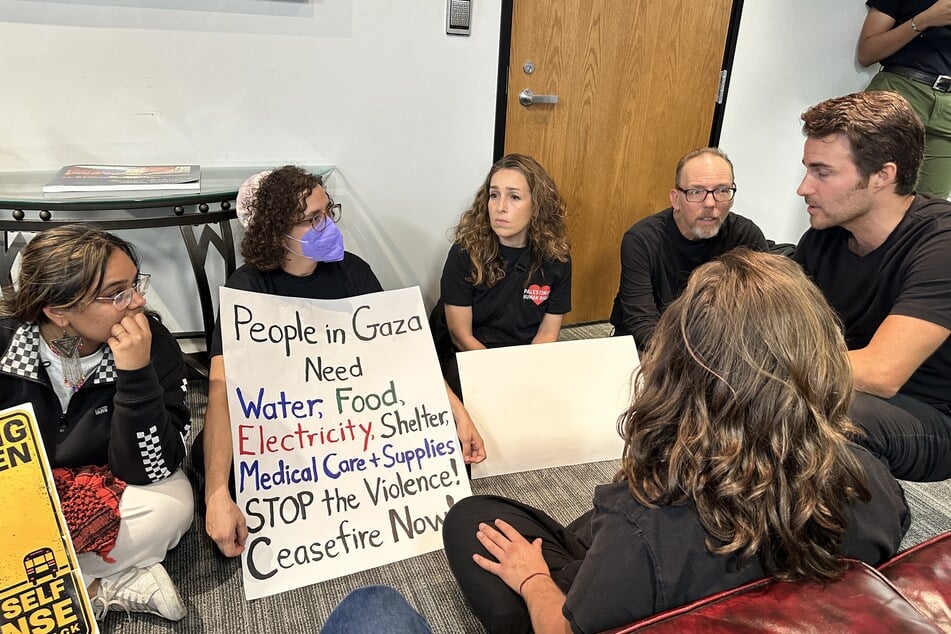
<point>345,451</point>
<point>562,409</point>
<point>41,587</point>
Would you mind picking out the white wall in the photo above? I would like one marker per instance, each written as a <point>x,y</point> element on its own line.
<point>375,87</point>
<point>790,55</point>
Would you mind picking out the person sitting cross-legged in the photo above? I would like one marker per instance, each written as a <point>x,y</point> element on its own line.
<point>107,383</point>
<point>737,464</point>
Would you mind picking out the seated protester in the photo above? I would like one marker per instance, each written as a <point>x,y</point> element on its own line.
<point>291,247</point>
<point>882,256</point>
<point>507,279</point>
<point>106,381</point>
<point>659,252</point>
<point>736,465</point>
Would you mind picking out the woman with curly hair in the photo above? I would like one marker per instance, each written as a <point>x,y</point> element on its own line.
<point>292,248</point>
<point>507,279</point>
<point>736,465</point>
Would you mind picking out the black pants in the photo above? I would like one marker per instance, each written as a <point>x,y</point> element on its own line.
<point>911,437</point>
<point>498,607</point>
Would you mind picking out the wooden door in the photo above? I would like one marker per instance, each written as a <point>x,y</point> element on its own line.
<point>636,82</point>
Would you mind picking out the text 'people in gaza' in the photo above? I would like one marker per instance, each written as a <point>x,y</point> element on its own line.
<point>363,328</point>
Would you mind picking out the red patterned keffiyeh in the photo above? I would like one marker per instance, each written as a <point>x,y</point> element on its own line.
<point>90,500</point>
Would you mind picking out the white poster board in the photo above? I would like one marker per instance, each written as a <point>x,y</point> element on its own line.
<point>345,451</point>
<point>548,405</point>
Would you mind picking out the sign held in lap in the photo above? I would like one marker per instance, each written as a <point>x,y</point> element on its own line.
<point>562,410</point>
<point>41,585</point>
<point>345,449</point>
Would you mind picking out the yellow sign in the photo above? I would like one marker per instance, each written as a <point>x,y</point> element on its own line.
<point>41,587</point>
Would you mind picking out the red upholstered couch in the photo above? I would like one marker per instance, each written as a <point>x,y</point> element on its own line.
<point>909,593</point>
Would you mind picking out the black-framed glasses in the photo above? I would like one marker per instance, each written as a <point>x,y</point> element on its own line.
<point>122,299</point>
<point>318,221</point>
<point>698,194</point>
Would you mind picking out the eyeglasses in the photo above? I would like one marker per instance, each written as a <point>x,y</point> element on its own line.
<point>698,195</point>
<point>122,299</point>
<point>318,221</point>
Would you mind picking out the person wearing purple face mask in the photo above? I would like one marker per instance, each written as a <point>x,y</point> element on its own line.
<point>323,242</point>
<point>293,248</point>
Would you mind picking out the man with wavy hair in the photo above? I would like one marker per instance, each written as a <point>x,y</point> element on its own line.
<point>882,256</point>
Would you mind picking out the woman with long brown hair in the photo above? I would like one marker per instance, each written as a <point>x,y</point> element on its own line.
<point>107,384</point>
<point>736,465</point>
<point>507,279</point>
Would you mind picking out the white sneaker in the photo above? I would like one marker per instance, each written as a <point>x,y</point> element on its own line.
<point>148,590</point>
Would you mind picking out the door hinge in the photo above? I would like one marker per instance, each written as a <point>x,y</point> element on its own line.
<point>722,87</point>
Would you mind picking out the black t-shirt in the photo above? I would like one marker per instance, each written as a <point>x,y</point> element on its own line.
<point>929,52</point>
<point>510,312</point>
<point>656,260</point>
<point>330,280</point>
<point>909,274</point>
<point>646,560</point>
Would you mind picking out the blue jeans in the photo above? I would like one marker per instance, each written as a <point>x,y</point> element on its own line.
<point>375,609</point>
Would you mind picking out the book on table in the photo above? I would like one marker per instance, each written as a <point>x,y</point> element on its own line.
<point>114,178</point>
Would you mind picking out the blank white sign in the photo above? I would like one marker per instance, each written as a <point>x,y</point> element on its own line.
<point>548,405</point>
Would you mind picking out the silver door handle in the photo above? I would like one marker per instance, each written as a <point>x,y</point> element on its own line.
<point>527,98</point>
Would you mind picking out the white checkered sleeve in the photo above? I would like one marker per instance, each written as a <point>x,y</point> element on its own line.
<point>150,447</point>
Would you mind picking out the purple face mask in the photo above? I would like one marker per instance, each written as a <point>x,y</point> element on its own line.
<point>322,245</point>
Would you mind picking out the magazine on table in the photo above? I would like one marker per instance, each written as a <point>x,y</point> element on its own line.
<point>108,178</point>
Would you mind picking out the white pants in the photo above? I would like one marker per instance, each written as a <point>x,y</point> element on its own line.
<point>154,518</point>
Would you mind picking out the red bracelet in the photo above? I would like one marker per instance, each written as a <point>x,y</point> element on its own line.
<point>525,580</point>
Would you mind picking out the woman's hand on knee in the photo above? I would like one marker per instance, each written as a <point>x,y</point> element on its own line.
<point>517,558</point>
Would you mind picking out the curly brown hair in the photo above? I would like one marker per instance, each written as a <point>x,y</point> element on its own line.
<point>276,207</point>
<point>740,408</point>
<point>547,231</point>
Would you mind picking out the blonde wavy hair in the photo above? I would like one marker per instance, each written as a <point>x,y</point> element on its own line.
<point>741,408</point>
<point>547,231</point>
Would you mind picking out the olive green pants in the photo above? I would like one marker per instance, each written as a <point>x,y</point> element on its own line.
<point>934,108</point>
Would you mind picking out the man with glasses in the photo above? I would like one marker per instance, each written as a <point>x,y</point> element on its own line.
<point>881,253</point>
<point>659,252</point>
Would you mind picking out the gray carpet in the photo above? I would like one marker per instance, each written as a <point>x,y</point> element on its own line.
<point>212,588</point>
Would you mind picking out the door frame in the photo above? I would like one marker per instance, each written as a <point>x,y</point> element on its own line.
<point>505,50</point>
